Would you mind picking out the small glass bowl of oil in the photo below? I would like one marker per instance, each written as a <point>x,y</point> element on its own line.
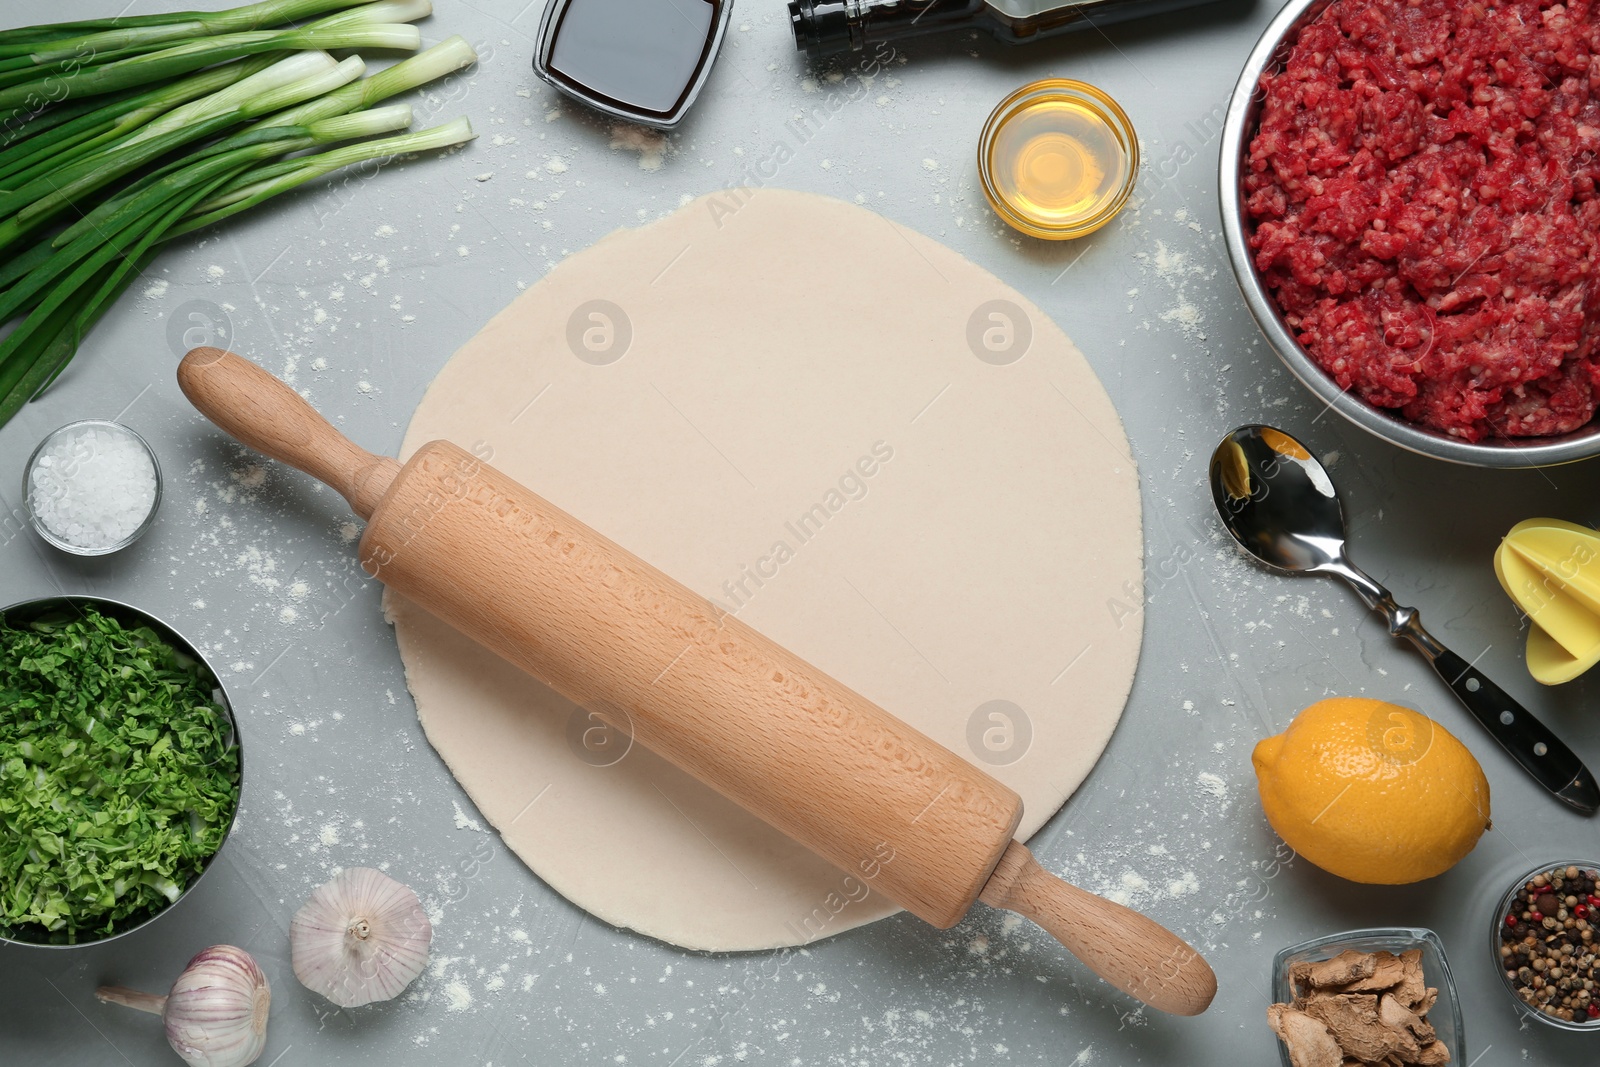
<point>1058,159</point>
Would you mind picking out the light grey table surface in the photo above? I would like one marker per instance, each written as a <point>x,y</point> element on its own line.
<point>366,287</point>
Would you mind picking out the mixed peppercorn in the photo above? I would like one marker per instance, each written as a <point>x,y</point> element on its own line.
<point>1547,944</point>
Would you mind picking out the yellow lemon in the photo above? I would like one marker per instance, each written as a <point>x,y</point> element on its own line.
<point>1372,792</point>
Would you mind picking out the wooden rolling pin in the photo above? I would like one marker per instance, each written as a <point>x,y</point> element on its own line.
<point>753,721</point>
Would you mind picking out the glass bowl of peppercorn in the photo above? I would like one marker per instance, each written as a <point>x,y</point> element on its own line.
<point>1546,944</point>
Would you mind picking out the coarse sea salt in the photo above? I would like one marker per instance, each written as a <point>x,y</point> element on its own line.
<point>92,485</point>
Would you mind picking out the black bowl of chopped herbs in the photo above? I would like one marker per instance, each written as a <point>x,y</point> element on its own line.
<point>119,769</point>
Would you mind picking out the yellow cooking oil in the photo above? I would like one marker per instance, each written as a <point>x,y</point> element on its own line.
<point>1058,159</point>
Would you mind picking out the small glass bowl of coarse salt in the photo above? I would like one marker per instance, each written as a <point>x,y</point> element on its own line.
<point>92,487</point>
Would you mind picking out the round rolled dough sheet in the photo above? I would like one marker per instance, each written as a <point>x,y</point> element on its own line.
<point>871,450</point>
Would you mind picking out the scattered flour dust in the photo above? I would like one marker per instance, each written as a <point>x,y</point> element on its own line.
<point>1128,889</point>
<point>1185,886</point>
<point>652,145</point>
<point>1169,264</point>
<point>1175,268</point>
<point>457,997</point>
<point>1132,887</point>
<point>1214,790</point>
<point>253,476</point>
<point>465,821</point>
<point>1186,317</point>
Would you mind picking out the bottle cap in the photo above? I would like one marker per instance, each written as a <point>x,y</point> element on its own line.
<point>820,26</point>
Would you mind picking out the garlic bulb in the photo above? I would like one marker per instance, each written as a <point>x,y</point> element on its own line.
<point>361,938</point>
<point>216,1013</point>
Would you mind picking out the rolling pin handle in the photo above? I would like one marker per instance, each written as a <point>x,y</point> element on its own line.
<point>262,412</point>
<point>1134,953</point>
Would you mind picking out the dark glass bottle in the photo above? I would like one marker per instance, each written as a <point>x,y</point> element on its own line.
<point>822,27</point>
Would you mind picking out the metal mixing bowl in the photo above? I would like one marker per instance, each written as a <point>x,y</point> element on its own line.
<point>1237,131</point>
<point>129,616</point>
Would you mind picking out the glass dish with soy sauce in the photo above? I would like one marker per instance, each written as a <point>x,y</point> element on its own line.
<point>644,61</point>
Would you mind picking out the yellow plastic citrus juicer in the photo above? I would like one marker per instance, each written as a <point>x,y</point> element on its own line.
<point>1551,569</point>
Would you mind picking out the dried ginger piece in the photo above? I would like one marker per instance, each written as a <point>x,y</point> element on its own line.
<point>1395,1014</point>
<point>1308,1041</point>
<point>1354,1021</point>
<point>1387,972</point>
<point>1348,966</point>
<point>1412,987</point>
<point>1434,1055</point>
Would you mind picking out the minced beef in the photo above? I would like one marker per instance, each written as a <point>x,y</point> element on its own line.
<point>1423,191</point>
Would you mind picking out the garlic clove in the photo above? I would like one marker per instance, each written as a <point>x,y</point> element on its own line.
<point>361,938</point>
<point>216,1013</point>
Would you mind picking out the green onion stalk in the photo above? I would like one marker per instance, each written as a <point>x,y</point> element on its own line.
<point>191,118</point>
<point>56,191</point>
<point>46,43</point>
<point>47,76</point>
<point>83,126</point>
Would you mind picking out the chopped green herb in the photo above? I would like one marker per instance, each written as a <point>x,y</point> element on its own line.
<point>117,777</point>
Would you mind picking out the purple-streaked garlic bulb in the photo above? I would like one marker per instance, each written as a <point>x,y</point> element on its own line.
<point>361,938</point>
<point>216,1013</point>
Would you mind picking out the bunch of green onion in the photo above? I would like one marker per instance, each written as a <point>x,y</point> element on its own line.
<point>119,134</point>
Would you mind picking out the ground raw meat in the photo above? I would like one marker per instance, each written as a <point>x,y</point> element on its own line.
<point>1423,191</point>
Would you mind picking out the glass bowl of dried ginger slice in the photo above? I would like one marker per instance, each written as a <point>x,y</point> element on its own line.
<point>1369,996</point>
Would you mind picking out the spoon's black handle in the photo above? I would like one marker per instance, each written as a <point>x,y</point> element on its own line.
<point>1541,753</point>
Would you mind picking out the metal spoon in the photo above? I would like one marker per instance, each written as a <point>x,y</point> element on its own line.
<point>1281,507</point>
